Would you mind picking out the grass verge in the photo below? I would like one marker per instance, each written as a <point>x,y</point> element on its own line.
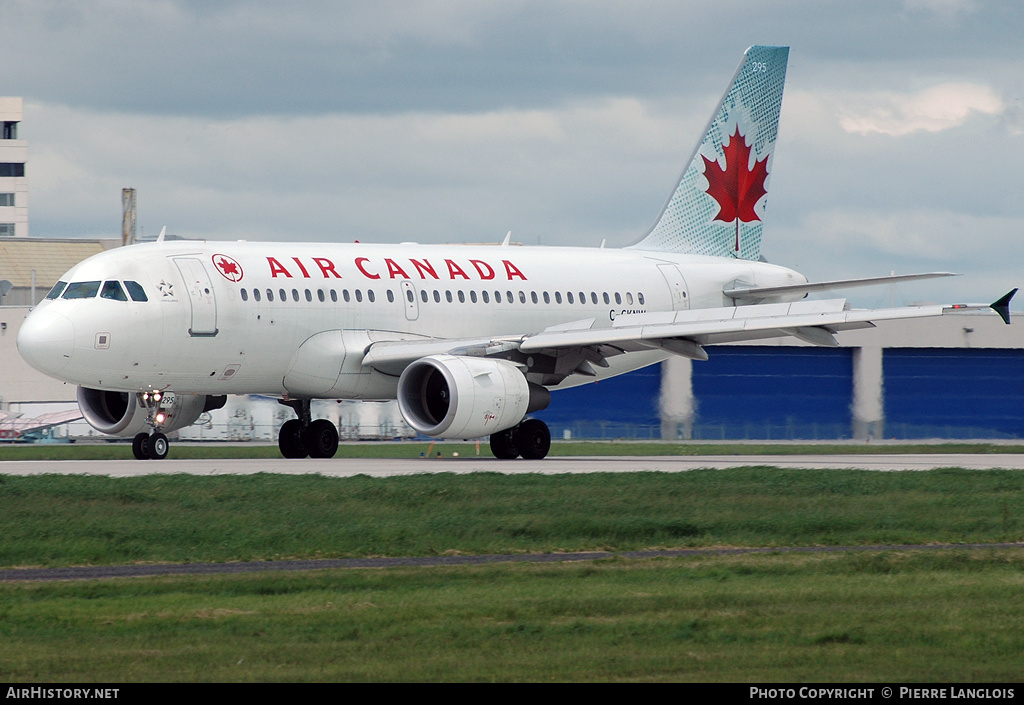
<point>57,520</point>
<point>893,617</point>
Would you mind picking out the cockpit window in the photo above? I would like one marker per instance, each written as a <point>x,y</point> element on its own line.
<point>136,291</point>
<point>81,290</point>
<point>113,290</point>
<point>57,290</point>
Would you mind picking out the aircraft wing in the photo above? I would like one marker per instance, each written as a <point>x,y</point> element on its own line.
<point>14,426</point>
<point>572,348</point>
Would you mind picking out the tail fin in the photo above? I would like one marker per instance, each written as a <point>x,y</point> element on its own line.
<point>718,205</point>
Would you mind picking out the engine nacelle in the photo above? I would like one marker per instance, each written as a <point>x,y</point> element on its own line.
<point>125,414</point>
<point>447,396</point>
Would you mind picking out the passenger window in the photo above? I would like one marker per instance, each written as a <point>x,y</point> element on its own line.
<point>284,295</point>
<point>508,295</point>
<point>136,291</point>
<point>345,295</point>
<point>359,295</point>
<point>606,299</point>
<point>533,296</point>
<point>629,298</point>
<point>593,296</point>
<point>448,295</point>
<point>334,296</point>
<point>309,296</point>
<point>568,297</point>
<point>320,295</point>
<point>437,296</point>
<point>270,294</point>
<point>487,297</point>
<point>245,295</point>
<point>391,296</point>
<point>583,298</point>
<point>423,295</point>
<point>462,297</point>
<point>369,296</point>
<point>256,294</point>
<point>295,295</point>
<point>113,291</point>
<point>558,297</point>
<point>640,298</point>
<point>522,297</point>
<point>56,291</point>
<point>81,290</point>
<point>618,299</point>
<point>472,296</point>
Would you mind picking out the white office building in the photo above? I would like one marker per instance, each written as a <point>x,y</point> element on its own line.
<point>13,184</point>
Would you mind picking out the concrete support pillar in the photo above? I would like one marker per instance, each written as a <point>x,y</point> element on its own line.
<point>868,408</point>
<point>677,404</point>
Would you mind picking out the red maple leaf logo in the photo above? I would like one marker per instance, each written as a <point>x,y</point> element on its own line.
<point>737,189</point>
<point>228,267</point>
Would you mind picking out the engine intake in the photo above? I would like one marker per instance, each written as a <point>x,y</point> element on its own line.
<point>447,396</point>
<point>124,414</point>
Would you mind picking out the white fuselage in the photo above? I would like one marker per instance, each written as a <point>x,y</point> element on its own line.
<point>229,317</point>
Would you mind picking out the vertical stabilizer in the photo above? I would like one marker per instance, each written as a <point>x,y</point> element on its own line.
<point>717,207</point>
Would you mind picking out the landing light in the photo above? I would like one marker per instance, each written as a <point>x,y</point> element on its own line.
<point>161,417</point>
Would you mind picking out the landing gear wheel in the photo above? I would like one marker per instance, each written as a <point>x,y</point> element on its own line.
<point>290,440</point>
<point>533,439</point>
<point>158,446</point>
<point>140,446</point>
<point>503,445</point>
<point>320,439</point>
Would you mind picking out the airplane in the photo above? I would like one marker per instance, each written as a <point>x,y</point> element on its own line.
<point>15,427</point>
<point>470,339</point>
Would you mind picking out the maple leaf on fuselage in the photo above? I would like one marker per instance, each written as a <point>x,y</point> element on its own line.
<point>737,189</point>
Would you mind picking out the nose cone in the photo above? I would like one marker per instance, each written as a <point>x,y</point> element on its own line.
<point>46,340</point>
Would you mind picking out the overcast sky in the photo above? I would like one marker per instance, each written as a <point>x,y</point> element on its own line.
<point>901,142</point>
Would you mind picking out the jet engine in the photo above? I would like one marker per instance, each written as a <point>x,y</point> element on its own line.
<point>447,396</point>
<point>126,413</point>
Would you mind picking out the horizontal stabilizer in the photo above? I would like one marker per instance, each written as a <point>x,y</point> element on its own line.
<point>762,292</point>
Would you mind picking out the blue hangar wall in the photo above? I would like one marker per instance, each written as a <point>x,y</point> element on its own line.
<point>953,393</point>
<point>767,393</point>
<point>782,392</point>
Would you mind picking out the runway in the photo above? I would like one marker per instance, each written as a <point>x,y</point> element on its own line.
<point>377,467</point>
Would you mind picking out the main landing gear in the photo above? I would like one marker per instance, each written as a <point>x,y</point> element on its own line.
<point>531,439</point>
<point>304,437</point>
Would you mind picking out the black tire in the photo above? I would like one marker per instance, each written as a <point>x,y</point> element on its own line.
<point>533,439</point>
<point>290,440</point>
<point>503,445</point>
<point>320,439</point>
<point>158,446</point>
<point>140,446</point>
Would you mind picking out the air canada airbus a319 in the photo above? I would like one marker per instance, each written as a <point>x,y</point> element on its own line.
<point>469,339</point>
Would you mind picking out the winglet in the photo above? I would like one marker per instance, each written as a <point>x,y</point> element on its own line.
<point>163,231</point>
<point>1002,306</point>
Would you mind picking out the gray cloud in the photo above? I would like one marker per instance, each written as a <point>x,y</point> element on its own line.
<point>566,122</point>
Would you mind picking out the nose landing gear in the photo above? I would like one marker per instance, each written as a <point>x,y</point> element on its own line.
<point>153,445</point>
<point>147,446</point>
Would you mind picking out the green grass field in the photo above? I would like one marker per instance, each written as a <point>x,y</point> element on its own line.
<point>930,616</point>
